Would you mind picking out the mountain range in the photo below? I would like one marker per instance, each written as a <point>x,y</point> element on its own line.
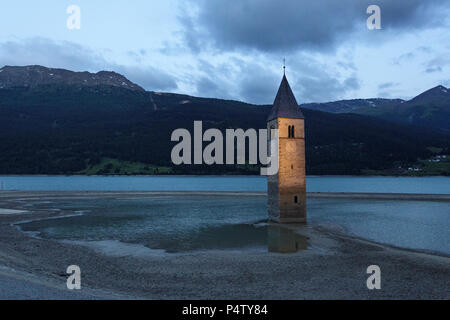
<point>35,76</point>
<point>55,121</point>
<point>429,109</point>
<point>351,106</point>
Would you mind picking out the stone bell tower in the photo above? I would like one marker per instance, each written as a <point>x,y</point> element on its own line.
<point>287,188</point>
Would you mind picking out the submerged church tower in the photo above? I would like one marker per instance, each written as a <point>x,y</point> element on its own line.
<point>287,188</point>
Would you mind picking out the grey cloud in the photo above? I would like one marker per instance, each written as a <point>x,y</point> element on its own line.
<point>46,52</point>
<point>63,54</point>
<point>137,55</point>
<point>147,77</point>
<point>347,65</point>
<point>213,81</point>
<point>384,94</point>
<point>317,83</point>
<point>191,33</point>
<point>433,69</point>
<point>403,58</point>
<point>325,88</point>
<point>438,63</point>
<point>408,56</point>
<point>259,88</point>
<point>287,25</point>
<point>386,89</point>
<point>257,83</point>
<point>425,49</point>
<point>387,85</point>
<point>351,83</point>
<point>238,80</point>
<point>207,88</point>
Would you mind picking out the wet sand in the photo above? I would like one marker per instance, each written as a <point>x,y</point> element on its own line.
<point>334,266</point>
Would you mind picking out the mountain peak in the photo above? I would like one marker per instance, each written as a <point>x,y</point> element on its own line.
<point>438,88</point>
<point>34,75</point>
<point>436,94</point>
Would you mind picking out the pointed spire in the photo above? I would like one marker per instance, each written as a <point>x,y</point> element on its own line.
<point>285,104</point>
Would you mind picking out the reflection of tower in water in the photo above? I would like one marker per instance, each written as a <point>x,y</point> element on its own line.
<point>284,240</point>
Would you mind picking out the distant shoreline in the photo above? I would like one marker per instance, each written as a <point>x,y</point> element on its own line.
<point>336,195</point>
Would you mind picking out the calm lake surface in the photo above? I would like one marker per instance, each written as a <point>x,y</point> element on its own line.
<point>428,185</point>
<point>187,223</point>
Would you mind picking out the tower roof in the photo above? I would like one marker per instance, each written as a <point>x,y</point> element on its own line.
<point>285,105</point>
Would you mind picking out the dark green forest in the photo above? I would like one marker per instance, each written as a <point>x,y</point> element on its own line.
<point>55,129</point>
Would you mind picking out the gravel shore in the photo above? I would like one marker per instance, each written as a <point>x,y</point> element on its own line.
<point>333,267</point>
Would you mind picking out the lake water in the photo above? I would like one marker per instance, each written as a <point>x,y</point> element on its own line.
<point>427,185</point>
<point>187,223</point>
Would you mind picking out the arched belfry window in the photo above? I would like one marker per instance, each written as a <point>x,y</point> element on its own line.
<point>291,132</point>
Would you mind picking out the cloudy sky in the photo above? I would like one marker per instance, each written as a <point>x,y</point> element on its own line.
<point>235,48</point>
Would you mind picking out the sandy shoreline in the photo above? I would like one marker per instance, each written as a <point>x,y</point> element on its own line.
<point>333,267</point>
